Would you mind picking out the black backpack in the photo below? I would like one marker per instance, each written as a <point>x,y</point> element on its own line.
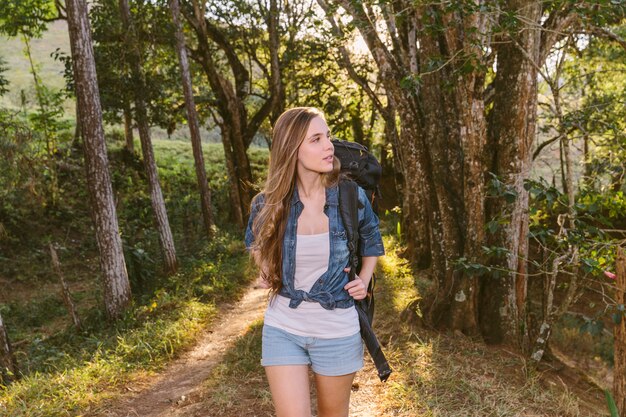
<point>359,165</point>
<point>361,169</point>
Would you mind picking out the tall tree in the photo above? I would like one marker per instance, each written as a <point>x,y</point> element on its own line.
<point>139,86</point>
<point>435,61</point>
<point>227,51</point>
<point>116,285</point>
<point>192,120</point>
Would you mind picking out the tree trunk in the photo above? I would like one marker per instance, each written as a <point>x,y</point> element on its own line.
<point>237,212</point>
<point>65,291</point>
<point>619,355</point>
<point>156,195</point>
<point>116,286</point>
<point>194,125</point>
<point>455,133</point>
<point>407,154</point>
<point>433,60</point>
<point>8,366</point>
<point>356,120</point>
<point>231,91</point>
<point>128,129</point>
<point>232,125</point>
<point>442,144</point>
<point>512,127</point>
<point>76,141</point>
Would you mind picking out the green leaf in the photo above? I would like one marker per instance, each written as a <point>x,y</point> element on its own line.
<point>510,196</point>
<point>611,403</point>
<point>617,318</point>
<point>493,226</point>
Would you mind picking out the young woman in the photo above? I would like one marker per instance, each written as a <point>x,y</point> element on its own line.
<point>296,237</point>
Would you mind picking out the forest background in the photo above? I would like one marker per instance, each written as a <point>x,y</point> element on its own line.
<point>499,125</point>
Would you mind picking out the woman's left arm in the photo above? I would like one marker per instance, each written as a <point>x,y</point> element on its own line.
<point>368,265</point>
<point>370,241</point>
<point>357,288</point>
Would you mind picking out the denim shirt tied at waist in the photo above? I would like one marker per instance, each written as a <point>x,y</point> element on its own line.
<point>328,289</point>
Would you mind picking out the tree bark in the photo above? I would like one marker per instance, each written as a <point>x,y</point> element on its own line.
<point>128,129</point>
<point>415,210</point>
<point>8,365</point>
<point>115,278</point>
<point>619,355</point>
<point>156,195</point>
<point>443,148</point>
<point>512,126</point>
<point>192,119</point>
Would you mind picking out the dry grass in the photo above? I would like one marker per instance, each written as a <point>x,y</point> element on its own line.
<point>434,374</point>
<point>451,375</point>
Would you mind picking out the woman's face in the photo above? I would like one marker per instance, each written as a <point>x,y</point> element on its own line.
<point>316,151</point>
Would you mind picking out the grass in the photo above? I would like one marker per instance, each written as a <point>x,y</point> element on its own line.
<point>90,366</point>
<point>19,74</point>
<point>444,375</point>
<point>237,385</point>
<point>434,374</point>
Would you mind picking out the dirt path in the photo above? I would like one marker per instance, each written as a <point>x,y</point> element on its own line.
<point>184,377</point>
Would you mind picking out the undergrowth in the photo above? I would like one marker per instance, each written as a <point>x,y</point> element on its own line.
<point>82,369</point>
<point>434,374</point>
<point>63,372</point>
<point>437,374</point>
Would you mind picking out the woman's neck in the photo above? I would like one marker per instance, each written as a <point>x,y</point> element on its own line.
<point>310,185</point>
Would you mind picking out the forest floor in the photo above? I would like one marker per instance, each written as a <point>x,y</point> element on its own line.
<point>435,374</point>
<point>178,390</point>
<point>174,389</point>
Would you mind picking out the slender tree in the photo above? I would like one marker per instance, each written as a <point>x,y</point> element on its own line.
<point>619,333</point>
<point>139,86</point>
<point>192,120</point>
<point>115,278</point>
<point>129,140</point>
<point>8,366</point>
<point>231,82</point>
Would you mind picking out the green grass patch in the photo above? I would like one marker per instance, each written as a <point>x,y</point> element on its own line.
<point>81,370</point>
<point>63,371</point>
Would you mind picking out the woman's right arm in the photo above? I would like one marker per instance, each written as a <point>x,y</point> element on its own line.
<point>257,204</point>
<point>255,207</point>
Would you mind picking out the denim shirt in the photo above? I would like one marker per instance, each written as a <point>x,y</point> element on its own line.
<point>328,289</point>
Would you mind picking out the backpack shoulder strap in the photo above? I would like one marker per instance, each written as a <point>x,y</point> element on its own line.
<point>348,207</point>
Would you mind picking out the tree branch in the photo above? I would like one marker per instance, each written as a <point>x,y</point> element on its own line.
<point>345,58</point>
<point>605,33</point>
<point>554,29</point>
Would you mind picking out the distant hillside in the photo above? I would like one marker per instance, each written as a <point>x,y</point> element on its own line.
<point>50,71</point>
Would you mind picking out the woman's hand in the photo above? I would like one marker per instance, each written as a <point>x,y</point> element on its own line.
<point>356,288</point>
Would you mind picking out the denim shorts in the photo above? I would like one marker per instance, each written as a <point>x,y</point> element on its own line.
<point>328,357</point>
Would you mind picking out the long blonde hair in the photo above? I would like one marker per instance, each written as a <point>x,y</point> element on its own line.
<point>270,223</point>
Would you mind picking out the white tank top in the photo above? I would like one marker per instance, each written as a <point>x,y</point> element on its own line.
<point>310,319</point>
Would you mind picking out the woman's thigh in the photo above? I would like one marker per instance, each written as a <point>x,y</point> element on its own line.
<point>333,395</point>
<point>289,385</point>
<point>286,365</point>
